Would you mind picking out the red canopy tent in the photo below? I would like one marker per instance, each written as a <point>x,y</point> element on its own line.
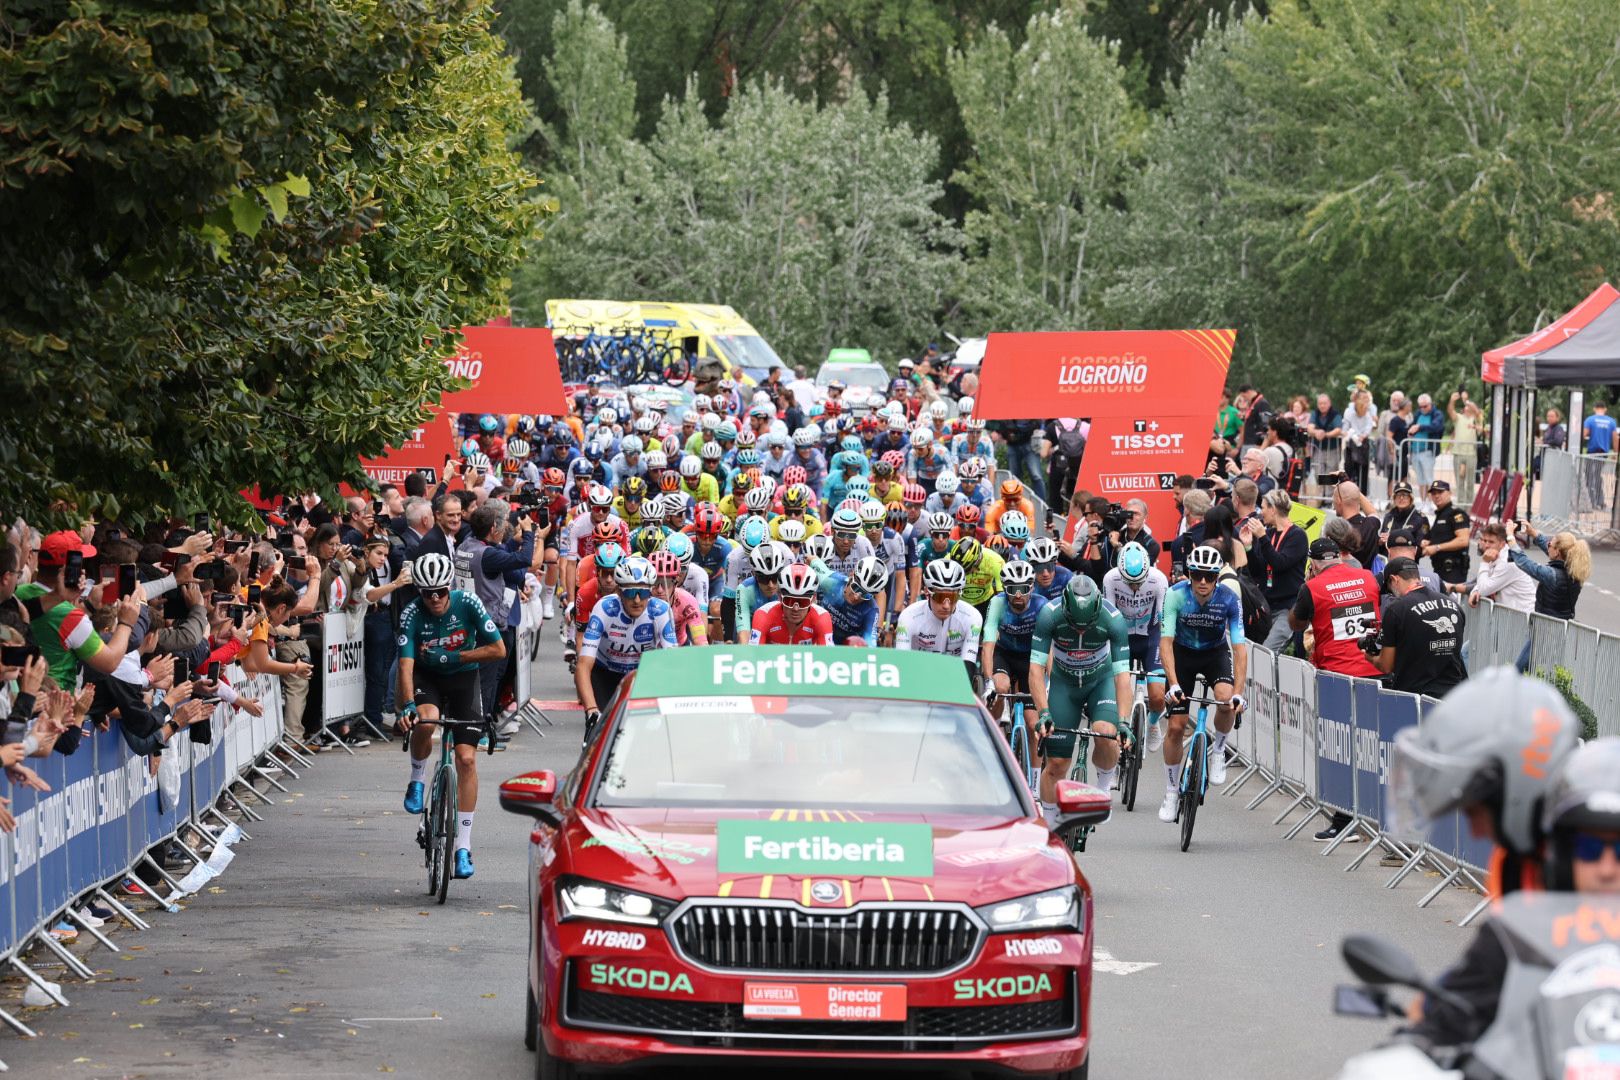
<point>1581,347</point>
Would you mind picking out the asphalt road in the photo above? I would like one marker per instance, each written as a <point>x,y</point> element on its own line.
<point>318,953</point>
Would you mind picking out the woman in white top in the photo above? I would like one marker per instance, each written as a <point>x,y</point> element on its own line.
<point>1499,579</point>
<point>1360,420</point>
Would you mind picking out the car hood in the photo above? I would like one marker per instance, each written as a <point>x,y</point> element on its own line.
<point>675,853</point>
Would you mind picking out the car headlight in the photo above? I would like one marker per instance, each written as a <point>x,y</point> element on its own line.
<point>1057,909</point>
<point>578,899</point>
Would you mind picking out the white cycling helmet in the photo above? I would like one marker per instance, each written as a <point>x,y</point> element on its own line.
<point>873,512</point>
<point>944,575</point>
<point>1041,550</point>
<point>607,417</point>
<point>921,438</point>
<point>1205,559</point>
<point>432,571</point>
<point>870,575</point>
<point>818,546</point>
<point>1133,563</point>
<point>758,499</point>
<point>937,410</point>
<point>710,421</point>
<point>478,460</point>
<point>897,422</point>
<point>691,466</point>
<point>702,403</point>
<point>631,444</point>
<point>657,459</point>
<point>964,405</point>
<point>947,484</point>
<point>637,570</point>
<point>599,495</point>
<point>940,521</point>
<point>711,451</point>
<point>517,449</point>
<point>770,558</point>
<point>804,437</point>
<point>792,531</point>
<point>1017,572</point>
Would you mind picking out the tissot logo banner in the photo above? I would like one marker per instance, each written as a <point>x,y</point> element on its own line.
<point>424,451</point>
<point>1139,457</point>
<point>846,849</point>
<point>1103,373</point>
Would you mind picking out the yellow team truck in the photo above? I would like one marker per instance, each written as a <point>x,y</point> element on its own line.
<point>704,332</point>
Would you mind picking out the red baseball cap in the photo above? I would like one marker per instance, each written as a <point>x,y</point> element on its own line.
<point>54,549</point>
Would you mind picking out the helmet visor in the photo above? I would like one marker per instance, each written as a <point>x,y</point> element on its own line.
<point>1424,786</point>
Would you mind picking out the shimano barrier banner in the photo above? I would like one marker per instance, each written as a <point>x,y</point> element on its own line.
<point>1149,395</point>
<point>1295,692</point>
<point>1335,741</point>
<point>342,667</point>
<point>1395,711</point>
<point>1368,752</point>
<point>8,902</point>
<point>25,894</point>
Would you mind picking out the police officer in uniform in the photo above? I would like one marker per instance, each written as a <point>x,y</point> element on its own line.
<point>1447,542</point>
<point>1420,639</point>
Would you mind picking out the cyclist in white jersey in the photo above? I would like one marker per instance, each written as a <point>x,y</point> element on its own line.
<point>1137,589</point>
<point>622,626</point>
<point>598,508</point>
<point>849,547</point>
<point>942,622</point>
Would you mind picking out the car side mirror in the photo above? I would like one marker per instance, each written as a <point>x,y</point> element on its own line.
<point>1378,962</point>
<point>531,794</point>
<point>1079,806</point>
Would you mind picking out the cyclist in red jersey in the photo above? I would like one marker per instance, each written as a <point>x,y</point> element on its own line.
<point>794,618</point>
<point>596,586</point>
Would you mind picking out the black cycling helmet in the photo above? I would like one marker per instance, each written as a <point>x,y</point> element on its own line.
<point>1584,797</point>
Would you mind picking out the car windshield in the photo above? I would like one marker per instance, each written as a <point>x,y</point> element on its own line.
<point>857,753</point>
<point>750,352</point>
<point>871,376</point>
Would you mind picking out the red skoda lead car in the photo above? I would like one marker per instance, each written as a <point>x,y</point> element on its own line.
<point>804,853</point>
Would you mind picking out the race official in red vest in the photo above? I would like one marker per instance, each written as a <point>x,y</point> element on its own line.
<point>1339,602</point>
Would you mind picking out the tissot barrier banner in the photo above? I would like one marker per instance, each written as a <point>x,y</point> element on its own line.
<point>1151,396</point>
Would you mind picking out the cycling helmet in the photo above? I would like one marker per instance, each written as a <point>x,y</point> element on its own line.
<point>606,532</point>
<point>1498,740</point>
<point>940,522</point>
<point>1014,526</point>
<point>873,512</point>
<point>673,504</point>
<point>795,474</point>
<point>972,468</point>
<point>896,516</point>
<point>758,499</point>
<point>815,431</point>
<point>968,516</point>
<point>846,519</point>
<point>1205,559</point>
<point>608,556</point>
<point>922,439</point>
<point>592,449</point>
<point>913,494</point>
<point>656,459</point>
<point>967,551</point>
<point>937,410</point>
<point>518,449</point>
<point>433,571</point>
<point>701,403</point>
<point>708,520</point>
<point>796,497</point>
<point>710,421</point>
<point>746,438</point>
<point>726,432</point>
<point>607,417</point>
<point>964,405</point>
<point>646,540</point>
<point>635,571</point>
<point>666,564</point>
<point>854,502</point>
<point>1012,488</point>
<point>818,546</point>
<point>897,422</point>
<point>973,423</point>
<point>478,460</point>
<point>754,532</point>
<point>792,531</point>
<point>711,451</point>
<point>944,575</point>
<point>1585,797</point>
<point>1042,550</point>
<point>999,544</point>
<point>761,410</point>
<point>804,437</point>
<point>770,558</point>
<point>668,480</point>
<point>525,424</point>
<point>799,581</point>
<point>947,484</point>
<point>837,384</point>
<point>1133,563</point>
<point>634,487</point>
<point>851,444</point>
<point>747,458</point>
<point>1017,572</point>
<point>691,466</point>
<point>553,478</point>
<point>870,575</point>
<point>644,425</point>
<point>630,445</point>
<point>1082,602</point>
<point>488,423</point>
<point>896,459</point>
<point>599,495</point>
<point>882,469</point>
<point>858,486</point>
<point>580,468</point>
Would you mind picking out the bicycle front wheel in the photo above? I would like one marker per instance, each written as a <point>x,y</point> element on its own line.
<point>1130,766</point>
<point>436,866</point>
<point>447,833</point>
<point>1020,748</point>
<point>1192,787</point>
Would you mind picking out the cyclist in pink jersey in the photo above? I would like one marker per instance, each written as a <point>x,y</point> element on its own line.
<point>691,621</point>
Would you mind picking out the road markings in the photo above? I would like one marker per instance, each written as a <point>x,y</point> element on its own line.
<point>1102,960</point>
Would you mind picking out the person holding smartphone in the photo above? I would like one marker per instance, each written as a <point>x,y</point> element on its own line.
<point>59,620</point>
<point>276,604</point>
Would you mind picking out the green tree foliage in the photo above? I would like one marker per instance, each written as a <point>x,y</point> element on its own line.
<point>234,233</point>
<point>817,223</point>
<point>1380,185</point>
<point>1052,131</point>
<point>1155,37</point>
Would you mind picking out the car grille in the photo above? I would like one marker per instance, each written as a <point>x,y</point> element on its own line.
<point>863,940</point>
<point>716,1025</point>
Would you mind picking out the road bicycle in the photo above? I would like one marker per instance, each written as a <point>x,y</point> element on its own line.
<point>1017,732</point>
<point>1195,763</point>
<point>1130,756</point>
<point>437,833</point>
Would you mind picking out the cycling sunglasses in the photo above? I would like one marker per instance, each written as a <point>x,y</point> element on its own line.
<point>434,594</point>
<point>942,594</point>
<point>765,579</point>
<point>1019,590</point>
<point>1203,575</point>
<point>796,601</point>
<point>856,591</point>
<point>635,593</point>
<point>1590,848</point>
<point>846,534</point>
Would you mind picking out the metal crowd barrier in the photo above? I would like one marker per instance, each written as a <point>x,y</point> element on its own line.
<point>1323,741</point>
<point>103,816</point>
<point>1496,635</point>
<point>1577,492</point>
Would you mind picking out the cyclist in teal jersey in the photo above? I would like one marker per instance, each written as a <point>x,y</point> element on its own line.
<point>444,635</point>
<point>1202,633</point>
<point>1086,644</point>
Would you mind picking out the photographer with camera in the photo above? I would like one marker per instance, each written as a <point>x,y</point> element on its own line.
<point>1134,530</point>
<point>495,564</point>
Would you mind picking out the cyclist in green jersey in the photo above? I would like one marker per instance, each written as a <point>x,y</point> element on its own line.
<point>444,635</point>
<point>1086,645</point>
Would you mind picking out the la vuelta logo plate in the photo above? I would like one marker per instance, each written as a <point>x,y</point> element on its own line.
<point>823,1001</point>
